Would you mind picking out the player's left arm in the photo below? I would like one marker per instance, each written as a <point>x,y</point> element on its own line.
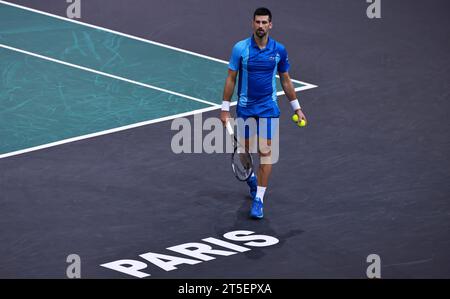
<point>288,87</point>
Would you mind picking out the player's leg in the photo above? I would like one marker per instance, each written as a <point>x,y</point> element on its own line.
<point>252,181</point>
<point>266,130</point>
<point>265,158</point>
<point>264,171</point>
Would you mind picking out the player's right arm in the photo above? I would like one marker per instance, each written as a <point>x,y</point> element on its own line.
<point>228,90</point>
<point>230,83</point>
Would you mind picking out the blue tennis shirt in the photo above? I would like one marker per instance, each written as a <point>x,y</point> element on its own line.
<point>257,92</point>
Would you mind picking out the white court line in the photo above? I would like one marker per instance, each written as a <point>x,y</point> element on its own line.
<point>307,85</point>
<point>127,127</point>
<point>106,74</point>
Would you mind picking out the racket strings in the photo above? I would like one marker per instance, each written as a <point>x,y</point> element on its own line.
<point>242,165</point>
<point>245,161</point>
<point>241,160</point>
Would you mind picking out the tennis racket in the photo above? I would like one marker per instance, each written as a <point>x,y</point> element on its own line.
<point>241,162</point>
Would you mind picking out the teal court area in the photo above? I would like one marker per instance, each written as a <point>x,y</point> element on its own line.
<point>61,80</point>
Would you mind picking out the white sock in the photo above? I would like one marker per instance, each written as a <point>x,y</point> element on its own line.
<point>260,192</point>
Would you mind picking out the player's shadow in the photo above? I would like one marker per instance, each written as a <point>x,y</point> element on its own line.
<point>243,221</point>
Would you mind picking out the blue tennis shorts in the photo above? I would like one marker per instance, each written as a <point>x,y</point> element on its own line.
<point>263,127</point>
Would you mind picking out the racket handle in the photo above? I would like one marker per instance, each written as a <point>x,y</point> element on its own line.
<point>229,128</point>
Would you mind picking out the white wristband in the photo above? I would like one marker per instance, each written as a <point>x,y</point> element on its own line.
<point>225,105</point>
<point>295,105</point>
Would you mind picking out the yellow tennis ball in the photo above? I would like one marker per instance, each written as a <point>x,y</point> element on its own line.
<point>295,117</point>
<point>302,123</point>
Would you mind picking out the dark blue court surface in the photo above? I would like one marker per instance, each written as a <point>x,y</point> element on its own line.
<point>86,165</point>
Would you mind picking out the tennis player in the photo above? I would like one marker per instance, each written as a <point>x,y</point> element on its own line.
<point>258,59</point>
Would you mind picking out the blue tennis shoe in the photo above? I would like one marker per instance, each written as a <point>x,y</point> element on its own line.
<point>257,208</point>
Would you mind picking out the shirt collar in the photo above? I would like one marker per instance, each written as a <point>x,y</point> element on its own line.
<point>255,45</point>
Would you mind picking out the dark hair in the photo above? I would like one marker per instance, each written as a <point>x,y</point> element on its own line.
<point>262,11</point>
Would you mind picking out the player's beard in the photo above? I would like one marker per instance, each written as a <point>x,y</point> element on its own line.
<point>260,33</point>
